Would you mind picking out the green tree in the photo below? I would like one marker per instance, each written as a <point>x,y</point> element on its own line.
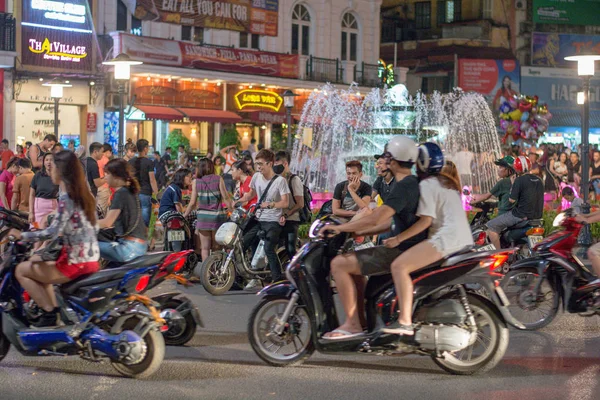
<point>176,138</point>
<point>229,137</point>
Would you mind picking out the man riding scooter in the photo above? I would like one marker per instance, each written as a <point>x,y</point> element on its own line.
<point>502,188</point>
<point>527,196</point>
<point>401,205</point>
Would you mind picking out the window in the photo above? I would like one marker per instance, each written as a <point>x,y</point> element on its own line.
<point>300,30</point>
<point>122,16</point>
<point>431,84</point>
<point>423,15</point>
<point>192,34</point>
<point>349,37</point>
<point>487,7</point>
<point>448,11</point>
<point>249,41</point>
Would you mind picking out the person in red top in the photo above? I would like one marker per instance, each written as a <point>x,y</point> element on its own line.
<point>242,174</point>
<point>6,182</point>
<point>5,154</point>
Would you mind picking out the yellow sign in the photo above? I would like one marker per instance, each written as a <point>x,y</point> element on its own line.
<point>258,98</point>
<point>57,49</point>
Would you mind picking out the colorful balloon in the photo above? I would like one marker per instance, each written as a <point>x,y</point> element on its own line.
<point>525,116</point>
<point>515,115</point>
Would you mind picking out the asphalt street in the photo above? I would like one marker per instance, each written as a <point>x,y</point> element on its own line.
<point>559,362</point>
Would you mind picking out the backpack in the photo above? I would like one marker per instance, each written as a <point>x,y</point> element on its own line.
<point>305,212</point>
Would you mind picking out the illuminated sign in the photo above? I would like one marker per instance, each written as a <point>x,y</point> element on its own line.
<point>258,98</point>
<point>61,11</point>
<point>57,50</point>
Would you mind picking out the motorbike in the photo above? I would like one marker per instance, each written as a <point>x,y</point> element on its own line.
<point>559,272</point>
<point>523,236</point>
<point>105,316</point>
<point>222,269</point>
<point>179,236</point>
<point>464,333</point>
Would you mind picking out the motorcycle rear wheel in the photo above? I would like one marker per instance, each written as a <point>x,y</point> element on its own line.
<point>155,353</point>
<point>267,344</point>
<point>518,286</point>
<point>485,316</point>
<point>210,276</point>
<point>182,332</point>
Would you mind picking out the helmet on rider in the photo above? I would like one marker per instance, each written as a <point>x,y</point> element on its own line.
<point>522,165</point>
<point>507,162</point>
<point>402,149</point>
<point>431,158</point>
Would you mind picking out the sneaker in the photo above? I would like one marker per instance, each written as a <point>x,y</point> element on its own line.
<point>399,329</point>
<point>253,284</point>
<point>48,319</point>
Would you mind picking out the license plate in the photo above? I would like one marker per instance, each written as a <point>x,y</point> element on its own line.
<point>488,247</point>
<point>176,236</point>
<point>533,240</point>
<point>366,245</point>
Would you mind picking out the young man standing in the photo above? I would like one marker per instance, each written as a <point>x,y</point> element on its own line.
<point>103,198</point>
<point>273,194</point>
<point>182,158</point>
<point>349,270</point>
<point>92,168</point>
<point>20,198</point>
<point>5,154</point>
<point>291,214</point>
<point>37,152</point>
<point>167,157</point>
<point>144,173</point>
<point>352,195</point>
<point>160,170</point>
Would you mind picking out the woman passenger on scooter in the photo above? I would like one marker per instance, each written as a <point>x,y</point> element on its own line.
<point>440,210</point>
<point>171,200</point>
<point>76,223</point>
<point>242,173</point>
<point>124,215</point>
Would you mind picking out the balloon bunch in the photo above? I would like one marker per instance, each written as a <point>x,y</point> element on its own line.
<point>523,117</point>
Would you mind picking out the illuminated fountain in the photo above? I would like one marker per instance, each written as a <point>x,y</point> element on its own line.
<point>337,126</point>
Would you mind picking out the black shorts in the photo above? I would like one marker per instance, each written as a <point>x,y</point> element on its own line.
<point>376,260</point>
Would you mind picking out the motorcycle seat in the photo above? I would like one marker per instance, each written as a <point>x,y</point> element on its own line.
<point>102,276</point>
<point>146,260</point>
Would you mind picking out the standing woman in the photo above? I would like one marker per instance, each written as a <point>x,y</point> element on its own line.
<point>209,194</point>
<point>20,151</point>
<point>76,223</point>
<point>243,176</point>
<point>124,215</point>
<point>44,192</point>
<point>6,182</point>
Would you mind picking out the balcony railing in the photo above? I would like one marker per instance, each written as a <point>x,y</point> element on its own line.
<point>324,70</point>
<point>367,75</point>
<point>7,32</point>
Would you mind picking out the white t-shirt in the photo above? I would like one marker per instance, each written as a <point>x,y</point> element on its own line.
<point>449,230</point>
<point>463,160</point>
<point>278,188</point>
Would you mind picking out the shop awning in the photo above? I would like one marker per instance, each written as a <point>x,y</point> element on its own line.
<point>573,119</point>
<point>162,113</point>
<point>200,115</point>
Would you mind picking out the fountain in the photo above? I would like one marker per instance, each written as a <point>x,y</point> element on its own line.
<point>337,126</point>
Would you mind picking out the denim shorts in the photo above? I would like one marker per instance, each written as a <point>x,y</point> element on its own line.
<point>502,222</point>
<point>122,250</point>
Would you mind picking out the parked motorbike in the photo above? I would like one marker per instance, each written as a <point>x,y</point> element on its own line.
<point>222,269</point>
<point>559,272</point>
<point>462,332</point>
<point>523,236</point>
<point>105,316</point>
<point>179,236</point>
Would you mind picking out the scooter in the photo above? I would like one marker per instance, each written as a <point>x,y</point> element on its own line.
<point>106,317</point>
<point>559,272</point>
<point>464,333</point>
<point>178,236</point>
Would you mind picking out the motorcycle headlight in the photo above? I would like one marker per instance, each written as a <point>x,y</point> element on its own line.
<point>559,219</point>
<point>235,216</point>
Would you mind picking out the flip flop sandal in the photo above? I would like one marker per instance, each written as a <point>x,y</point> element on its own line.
<point>345,335</point>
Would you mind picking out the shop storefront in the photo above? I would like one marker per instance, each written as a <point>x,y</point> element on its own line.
<point>558,87</point>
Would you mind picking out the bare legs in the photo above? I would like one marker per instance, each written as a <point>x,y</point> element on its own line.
<point>206,243</point>
<point>419,256</point>
<point>495,239</point>
<point>37,277</point>
<point>351,286</point>
<point>594,256</point>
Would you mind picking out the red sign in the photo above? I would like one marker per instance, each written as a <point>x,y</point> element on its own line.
<point>257,16</point>
<point>181,54</point>
<point>92,122</point>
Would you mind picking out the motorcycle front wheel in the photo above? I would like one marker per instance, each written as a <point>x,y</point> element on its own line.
<point>213,278</point>
<point>293,346</point>
<point>534,310</point>
<point>489,347</point>
<point>182,328</point>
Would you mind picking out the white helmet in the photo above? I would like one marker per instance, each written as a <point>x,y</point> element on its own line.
<point>403,149</point>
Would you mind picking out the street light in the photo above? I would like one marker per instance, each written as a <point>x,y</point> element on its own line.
<point>122,74</point>
<point>585,69</point>
<point>288,102</point>
<point>56,92</point>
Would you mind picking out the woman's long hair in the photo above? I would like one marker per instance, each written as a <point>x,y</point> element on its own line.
<point>242,166</point>
<point>71,173</point>
<point>449,177</point>
<point>205,167</point>
<point>179,177</point>
<point>44,172</point>
<point>120,169</point>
